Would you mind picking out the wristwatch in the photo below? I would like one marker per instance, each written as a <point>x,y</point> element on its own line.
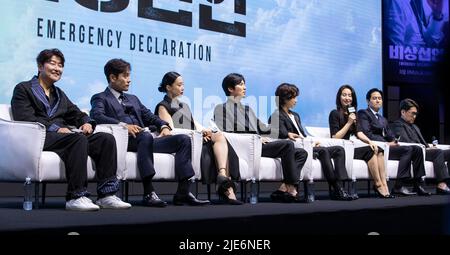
<point>165,126</point>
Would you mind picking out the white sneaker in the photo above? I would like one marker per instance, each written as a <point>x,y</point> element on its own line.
<point>81,204</point>
<point>112,202</point>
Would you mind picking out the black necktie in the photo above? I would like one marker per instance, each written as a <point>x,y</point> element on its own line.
<point>127,108</point>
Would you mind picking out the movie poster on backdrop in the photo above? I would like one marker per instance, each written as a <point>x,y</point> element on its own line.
<point>415,33</point>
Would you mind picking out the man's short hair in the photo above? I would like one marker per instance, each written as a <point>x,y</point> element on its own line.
<point>45,56</point>
<point>407,104</point>
<point>230,81</point>
<point>371,91</point>
<point>116,66</point>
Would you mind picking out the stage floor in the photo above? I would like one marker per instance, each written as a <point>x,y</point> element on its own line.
<point>402,215</point>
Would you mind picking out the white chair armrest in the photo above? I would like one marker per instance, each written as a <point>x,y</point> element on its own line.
<point>349,148</point>
<point>248,147</point>
<point>442,146</point>
<point>197,145</point>
<point>22,143</point>
<point>307,145</point>
<point>120,134</point>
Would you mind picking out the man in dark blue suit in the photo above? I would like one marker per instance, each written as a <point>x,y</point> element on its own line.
<point>376,128</point>
<point>113,106</point>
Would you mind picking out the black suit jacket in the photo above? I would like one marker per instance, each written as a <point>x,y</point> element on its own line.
<point>409,133</point>
<point>375,129</point>
<point>106,109</point>
<point>285,124</point>
<point>26,106</point>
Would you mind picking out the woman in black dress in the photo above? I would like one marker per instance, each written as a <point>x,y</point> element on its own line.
<point>219,161</point>
<point>343,123</point>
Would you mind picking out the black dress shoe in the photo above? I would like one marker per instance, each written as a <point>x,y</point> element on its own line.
<point>289,198</point>
<point>354,196</point>
<point>403,191</point>
<point>421,191</point>
<point>340,194</point>
<point>229,201</point>
<point>188,199</point>
<point>153,200</point>
<point>278,196</point>
<point>440,191</point>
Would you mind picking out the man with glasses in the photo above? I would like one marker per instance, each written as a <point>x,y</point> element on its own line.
<point>408,132</point>
<point>376,128</point>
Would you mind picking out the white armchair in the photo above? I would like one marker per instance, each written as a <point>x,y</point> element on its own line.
<point>23,154</point>
<point>164,163</point>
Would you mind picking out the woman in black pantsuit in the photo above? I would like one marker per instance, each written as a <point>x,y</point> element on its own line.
<point>288,125</point>
<point>219,161</point>
<point>343,123</point>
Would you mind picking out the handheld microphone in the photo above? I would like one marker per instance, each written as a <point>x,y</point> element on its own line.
<point>351,109</point>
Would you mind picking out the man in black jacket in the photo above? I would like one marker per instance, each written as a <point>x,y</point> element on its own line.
<point>408,132</point>
<point>69,134</point>
<point>376,128</point>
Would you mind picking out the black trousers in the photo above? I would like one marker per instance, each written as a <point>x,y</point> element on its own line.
<point>74,150</point>
<point>209,164</point>
<point>337,153</point>
<point>292,159</point>
<point>437,156</point>
<point>447,156</point>
<point>406,155</point>
<point>145,145</point>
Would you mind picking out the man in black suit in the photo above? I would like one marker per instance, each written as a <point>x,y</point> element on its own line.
<point>376,128</point>
<point>234,117</point>
<point>69,133</point>
<point>113,106</point>
<point>408,132</point>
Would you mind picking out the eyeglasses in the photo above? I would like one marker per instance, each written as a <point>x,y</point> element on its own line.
<point>413,113</point>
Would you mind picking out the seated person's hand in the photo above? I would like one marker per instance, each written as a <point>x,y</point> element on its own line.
<point>133,130</point>
<point>351,118</point>
<point>373,146</point>
<point>293,136</point>
<point>316,144</point>
<point>64,131</point>
<point>264,140</point>
<point>207,134</point>
<point>165,131</point>
<point>86,128</point>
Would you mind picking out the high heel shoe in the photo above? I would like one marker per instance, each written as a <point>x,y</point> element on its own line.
<point>377,192</point>
<point>224,183</point>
